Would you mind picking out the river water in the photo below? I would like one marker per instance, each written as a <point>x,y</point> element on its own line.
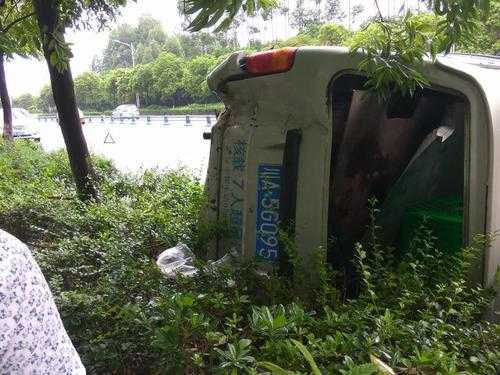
<point>136,146</point>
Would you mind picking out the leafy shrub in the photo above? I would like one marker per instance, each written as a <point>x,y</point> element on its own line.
<point>418,315</point>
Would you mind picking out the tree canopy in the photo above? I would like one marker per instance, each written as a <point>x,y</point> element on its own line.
<point>390,59</point>
<point>150,40</point>
<point>26,101</point>
<point>394,49</point>
<point>17,28</point>
<point>166,81</point>
<point>486,35</point>
<point>186,59</point>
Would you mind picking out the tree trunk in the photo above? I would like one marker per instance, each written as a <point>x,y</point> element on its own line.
<point>63,91</point>
<point>6,105</point>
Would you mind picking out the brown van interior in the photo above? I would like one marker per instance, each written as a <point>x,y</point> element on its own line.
<point>405,152</point>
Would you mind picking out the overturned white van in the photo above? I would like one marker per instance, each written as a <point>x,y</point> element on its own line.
<point>302,143</point>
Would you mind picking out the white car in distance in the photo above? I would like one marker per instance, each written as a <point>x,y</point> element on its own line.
<point>82,116</point>
<point>126,111</point>
<point>24,124</point>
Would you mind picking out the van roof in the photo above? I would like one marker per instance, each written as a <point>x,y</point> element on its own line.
<point>480,70</point>
<point>471,64</point>
<point>321,63</point>
<point>483,61</point>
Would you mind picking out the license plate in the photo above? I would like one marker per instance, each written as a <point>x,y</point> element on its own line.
<point>268,208</point>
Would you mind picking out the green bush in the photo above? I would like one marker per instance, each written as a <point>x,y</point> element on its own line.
<point>191,109</point>
<point>418,315</point>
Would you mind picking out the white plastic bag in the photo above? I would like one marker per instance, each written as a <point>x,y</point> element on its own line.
<point>177,260</point>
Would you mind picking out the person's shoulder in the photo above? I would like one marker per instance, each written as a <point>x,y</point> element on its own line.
<point>15,261</point>
<point>10,246</point>
<point>32,335</point>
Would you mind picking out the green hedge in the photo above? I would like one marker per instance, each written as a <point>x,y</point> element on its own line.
<point>192,109</point>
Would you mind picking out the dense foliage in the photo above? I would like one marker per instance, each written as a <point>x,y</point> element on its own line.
<point>150,39</point>
<point>487,34</point>
<point>17,25</point>
<point>393,55</point>
<point>16,30</point>
<point>417,315</point>
<point>169,80</point>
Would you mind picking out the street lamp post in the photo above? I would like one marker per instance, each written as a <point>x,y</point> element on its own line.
<point>349,15</point>
<point>132,52</point>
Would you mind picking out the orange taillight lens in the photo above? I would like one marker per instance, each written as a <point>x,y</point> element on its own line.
<point>269,62</point>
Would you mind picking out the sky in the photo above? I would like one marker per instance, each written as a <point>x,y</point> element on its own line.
<point>29,75</point>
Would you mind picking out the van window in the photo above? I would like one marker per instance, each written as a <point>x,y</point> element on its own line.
<point>408,154</point>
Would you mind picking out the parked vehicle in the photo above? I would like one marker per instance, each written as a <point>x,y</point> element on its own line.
<point>82,116</point>
<point>24,124</point>
<point>303,145</point>
<point>126,111</point>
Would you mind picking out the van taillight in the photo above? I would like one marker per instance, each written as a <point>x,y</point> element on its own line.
<point>269,62</point>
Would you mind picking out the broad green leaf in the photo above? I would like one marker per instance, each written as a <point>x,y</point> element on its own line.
<point>275,369</point>
<point>383,368</point>
<point>307,355</point>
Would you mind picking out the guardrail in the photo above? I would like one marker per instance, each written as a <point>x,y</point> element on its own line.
<point>186,120</point>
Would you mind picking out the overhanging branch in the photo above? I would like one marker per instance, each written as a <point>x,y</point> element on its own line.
<point>378,10</point>
<point>16,21</point>
<point>11,9</point>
